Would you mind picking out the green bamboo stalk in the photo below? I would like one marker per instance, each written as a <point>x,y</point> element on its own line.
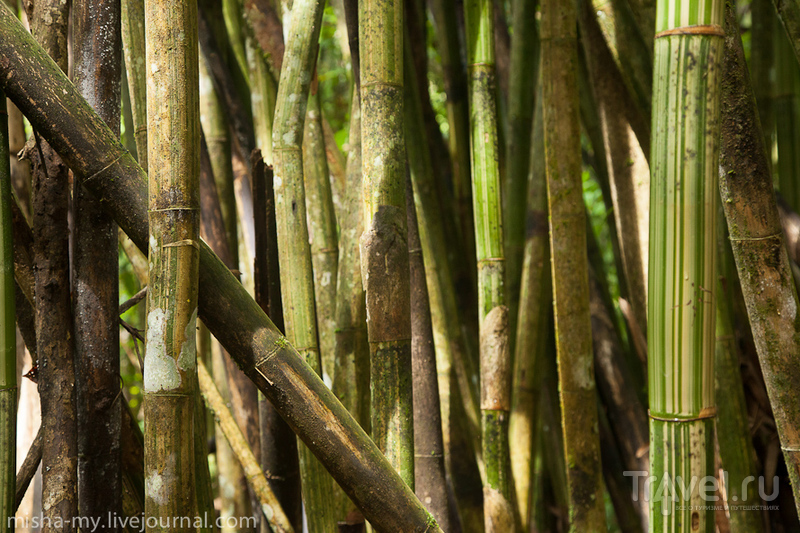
<point>255,476</point>
<point>297,282</point>
<point>492,313</point>
<point>789,13</point>
<point>521,102</point>
<point>455,84</point>
<point>263,93</point>
<point>321,231</point>
<point>533,328</point>
<point>786,105</point>
<point>384,249</point>
<point>758,247</point>
<point>762,64</point>
<point>8,334</point>
<point>32,81</point>
<point>736,451</point>
<point>569,266</point>
<point>170,371</point>
<point>681,306</point>
<point>96,66</point>
<point>134,51</point>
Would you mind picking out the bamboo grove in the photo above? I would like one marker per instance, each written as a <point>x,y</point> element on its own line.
<point>399,265</point>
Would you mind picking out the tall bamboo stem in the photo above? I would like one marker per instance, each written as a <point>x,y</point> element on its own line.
<point>682,284</point>
<point>569,266</point>
<point>758,247</point>
<point>96,52</point>
<point>132,16</point>
<point>384,248</point>
<point>297,282</point>
<point>8,334</point>
<point>173,118</point>
<point>492,313</point>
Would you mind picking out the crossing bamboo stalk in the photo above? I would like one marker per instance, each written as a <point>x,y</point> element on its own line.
<point>170,369</point>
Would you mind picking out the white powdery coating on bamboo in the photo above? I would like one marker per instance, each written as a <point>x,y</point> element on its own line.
<point>161,370</point>
<point>155,488</point>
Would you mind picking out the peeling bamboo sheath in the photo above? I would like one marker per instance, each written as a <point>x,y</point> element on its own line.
<point>170,371</point>
<point>681,336</point>
<point>384,248</point>
<point>8,351</point>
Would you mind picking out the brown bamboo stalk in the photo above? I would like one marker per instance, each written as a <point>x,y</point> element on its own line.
<point>97,57</point>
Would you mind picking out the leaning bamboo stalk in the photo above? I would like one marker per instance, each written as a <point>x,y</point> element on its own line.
<point>321,230</point>
<point>682,283</point>
<point>569,266</point>
<point>495,359</point>
<point>97,58</point>
<point>789,13</point>
<point>170,371</point>
<point>297,281</point>
<point>93,152</point>
<point>8,335</point>
<point>786,105</point>
<point>758,247</point>
<point>735,443</point>
<point>533,329</point>
<point>255,476</point>
<point>55,347</point>
<point>384,249</point>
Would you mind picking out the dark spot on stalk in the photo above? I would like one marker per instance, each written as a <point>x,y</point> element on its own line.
<point>294,206</point>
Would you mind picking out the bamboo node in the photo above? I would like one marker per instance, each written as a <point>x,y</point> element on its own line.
<point>765,238</point>
<point>700,29</point>
<point>184,242</point>
<point>100,172</point>
<point>705,412</point>
<point>3,389</point>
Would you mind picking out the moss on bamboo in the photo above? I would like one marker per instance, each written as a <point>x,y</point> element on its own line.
<point>757,241</point>
<point>384,249</point>
<point>569,266</point>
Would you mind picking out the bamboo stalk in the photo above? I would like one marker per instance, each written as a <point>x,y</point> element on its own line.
<point>321,231</point>
<point>269,504</point>
<point>384,248</point>
<point>429,468</point>
<point>786,105</point>
<point>297,282</point>
<point>533,329</point>
<point>55,346</point>
<point>93,152</point>
<point>522,99</point>
<point>495,358</point>
<point>278,443</point>
<point>97,57</point>
<point>682,286</point>
<point>626,163</point>
<point>736,451</point>
<point>173,118</point>
<point>8,335</point>
<point>569,266</point>
<point>132,19</point>
<point>758,247</point>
